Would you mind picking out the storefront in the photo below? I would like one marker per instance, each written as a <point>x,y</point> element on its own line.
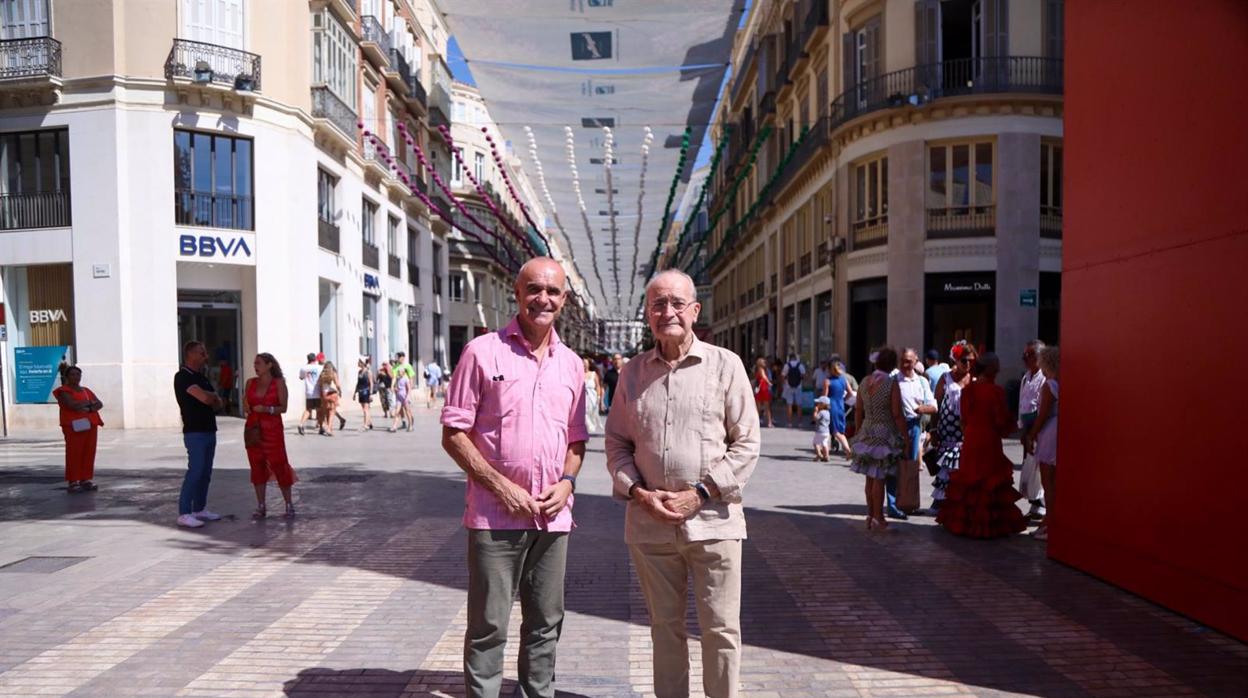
<point>960,306</point>
<point>36,330</point>
<point>215,318</point>
<point>868,321</point>
<point>370,320</point>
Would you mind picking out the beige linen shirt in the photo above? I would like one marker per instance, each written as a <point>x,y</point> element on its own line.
<point>672,427</point>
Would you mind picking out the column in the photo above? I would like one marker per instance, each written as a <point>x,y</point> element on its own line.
<point>1018,245</point>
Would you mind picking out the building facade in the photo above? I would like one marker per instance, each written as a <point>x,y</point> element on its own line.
<point>892,173</point>
<point>233,171</point>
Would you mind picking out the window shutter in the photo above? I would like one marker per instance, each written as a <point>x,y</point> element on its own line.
<point>229,23</point>
<point>927,42</point>
<point>875,66</point>
<point>996,29</point>
<point>847,68</point>
<point>23,19</point>
<point>1053,28</point>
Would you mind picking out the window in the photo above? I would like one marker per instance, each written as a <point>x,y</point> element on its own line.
<point>960,177</point>
<point>368,219</point>
<point>34,179</point>
<point>478,165</point>
<point>1051,179</point>
<point>871,193</point>
<point>334,61</point>
<point>457,174</point>
<point>23,19</point>
<point>217,22</point>
<point>392,236</point>
<point>370,110</point>
<point>413,257</point>
<point>326,185</point>
<point>458,283</point>
<point>212,180</point>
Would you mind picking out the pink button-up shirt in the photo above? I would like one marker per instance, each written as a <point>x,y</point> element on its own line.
<point>521,416</point>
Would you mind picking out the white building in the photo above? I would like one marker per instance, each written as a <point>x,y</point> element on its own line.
<point>199,173</point>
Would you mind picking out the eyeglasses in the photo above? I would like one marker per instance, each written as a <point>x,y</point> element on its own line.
<point>659,305</point>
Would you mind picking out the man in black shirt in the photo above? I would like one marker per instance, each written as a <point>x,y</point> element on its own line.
<point>612,377</point>
<point>198,403</point>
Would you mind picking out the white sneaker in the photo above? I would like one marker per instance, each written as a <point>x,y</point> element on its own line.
<point>189,521</point>
<point>206,515</point>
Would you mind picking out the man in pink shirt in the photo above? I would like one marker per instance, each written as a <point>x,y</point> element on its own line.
<point>514,421</point>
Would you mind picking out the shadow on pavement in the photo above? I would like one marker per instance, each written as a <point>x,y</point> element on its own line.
<point>996,614</point>
<point>386,683</point>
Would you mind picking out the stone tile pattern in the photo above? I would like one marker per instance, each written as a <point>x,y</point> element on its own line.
<point>363,593</point>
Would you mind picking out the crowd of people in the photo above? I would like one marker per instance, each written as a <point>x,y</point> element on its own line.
<point>683,435</point>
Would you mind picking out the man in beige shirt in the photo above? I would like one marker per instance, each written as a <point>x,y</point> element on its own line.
<point>682,440</point>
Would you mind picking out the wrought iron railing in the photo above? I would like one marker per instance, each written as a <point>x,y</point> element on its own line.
<point>378,153</point>
<point>210,63</point>
<point>963,76</point>
<point>417,91</point>
<point>371,255</point>
<point>36,57</point>
<point>212,210</point>
<point>804,266</point>
<point>961,222</point>
<point>394,266</point>
<point>326,105</point>
<point>327,235</point>
<point>373,32</point>
<point>413,274</point>
<point>814,139</point>
<point>1051,222</point>
<point>400,66</point>
<point>404,169</point>
<point>816,17</point>
<point>869,232</point>
<point>40,209</point>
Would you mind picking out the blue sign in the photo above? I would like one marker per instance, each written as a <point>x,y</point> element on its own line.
<point>213,246</point>
<point>1028,298</point>
<point>36,370</point>
<point>372,283</point>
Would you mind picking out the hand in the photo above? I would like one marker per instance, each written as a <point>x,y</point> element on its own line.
<point>653,504</point>
<point>553,499</point>
<point>686,503</point>
<point>517,500</point>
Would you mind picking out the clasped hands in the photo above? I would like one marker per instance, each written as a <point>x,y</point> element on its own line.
<point>548,503</point>
<point>672,508</point>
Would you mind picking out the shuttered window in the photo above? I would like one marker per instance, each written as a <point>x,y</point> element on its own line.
<point>24,19</point>
<point>219,22</point>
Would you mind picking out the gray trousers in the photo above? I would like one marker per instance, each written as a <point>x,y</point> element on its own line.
<point>502,565</point>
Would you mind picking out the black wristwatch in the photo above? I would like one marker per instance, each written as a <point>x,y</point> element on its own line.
<point>571,479</point>
<point>704,493</point>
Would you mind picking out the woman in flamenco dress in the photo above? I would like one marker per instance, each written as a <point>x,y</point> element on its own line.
<point>980,498</point>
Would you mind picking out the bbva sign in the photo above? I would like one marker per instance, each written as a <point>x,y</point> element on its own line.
<point>229,248</point>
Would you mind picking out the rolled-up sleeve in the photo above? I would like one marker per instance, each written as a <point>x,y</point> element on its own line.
<point>730,473</point>
<point>464,392</point>
<point>577,430</point>
<point>619,444</point>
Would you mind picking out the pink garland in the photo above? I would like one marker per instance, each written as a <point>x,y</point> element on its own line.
<point>502,218</point>
<point>511,189</point>
<point>385,157</point>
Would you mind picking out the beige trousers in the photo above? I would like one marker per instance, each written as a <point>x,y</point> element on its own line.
<point>663,570</point>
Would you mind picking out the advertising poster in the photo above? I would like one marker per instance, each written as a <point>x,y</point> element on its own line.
<point>36,372</point>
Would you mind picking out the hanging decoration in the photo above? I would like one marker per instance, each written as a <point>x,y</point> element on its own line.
<point>550,201</point>
<point>511,189</point>
<point>641,196</point>
<point>500,215</point>
<point>731,199</point>
<point>671,197</point>
<point>570,149</point>
<point>674,260</point>
<point>608,156</point>
<point>424,162</point>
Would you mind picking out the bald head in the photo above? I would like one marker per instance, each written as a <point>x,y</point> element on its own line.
<point>674,279</point>
<point>542,267</point>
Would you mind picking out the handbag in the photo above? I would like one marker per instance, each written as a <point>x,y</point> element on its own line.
<point>908,485</point>
<point>81,424</point>
<point>251,436</point>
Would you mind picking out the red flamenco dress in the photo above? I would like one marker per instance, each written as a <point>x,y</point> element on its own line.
<point>268,460</point>
<point>979,501</point>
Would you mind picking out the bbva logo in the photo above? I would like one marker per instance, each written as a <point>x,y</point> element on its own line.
<point>207,246</point>
<point>39,317</point>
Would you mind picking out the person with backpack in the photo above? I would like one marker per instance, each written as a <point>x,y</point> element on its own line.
<point>794,373</point>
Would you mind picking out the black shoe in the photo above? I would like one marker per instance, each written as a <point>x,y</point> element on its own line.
<point>895,513</point>
<point>342,422</point>
<point>300,427</point>
<point>404,424</point>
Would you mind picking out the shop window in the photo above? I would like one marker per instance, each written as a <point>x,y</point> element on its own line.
<point>212,180</point>
<point>34,179</point>
<point>38,313</point>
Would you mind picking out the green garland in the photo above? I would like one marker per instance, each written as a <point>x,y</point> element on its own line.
<point>697,206</point>
<point>671,194</point>
<point>763,196</point>
<point>731,198</point>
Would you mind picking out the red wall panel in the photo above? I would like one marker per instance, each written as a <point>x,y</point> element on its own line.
<point>1153,442</point>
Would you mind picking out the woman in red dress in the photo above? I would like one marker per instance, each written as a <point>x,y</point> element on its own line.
<point>762,390</point>
<point>80,423</point>
<point>980,498</point>
<point>264,404</point>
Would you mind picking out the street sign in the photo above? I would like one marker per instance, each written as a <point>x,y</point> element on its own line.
<point>1028,298</point>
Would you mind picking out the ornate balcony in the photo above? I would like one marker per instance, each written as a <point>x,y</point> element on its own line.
<point>812,141</point>
<point>334,119</point>
<point>961,222</point>
<point>374,41</point>
<point>1051,222</point>
<point>197,65</point>
<point>914,87</point>
<point>870,232</point>
<point>399,75</point>
<point>375,155</point>
<point>30,65</point>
